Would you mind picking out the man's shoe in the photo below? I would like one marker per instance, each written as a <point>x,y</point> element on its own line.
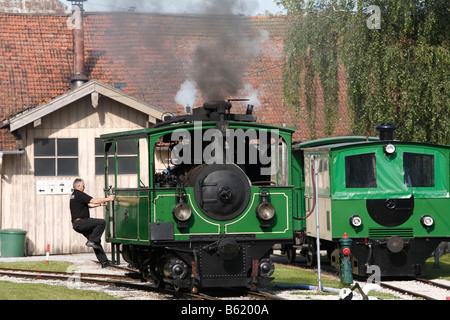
<point>93,245</point>
<point>106,264</point>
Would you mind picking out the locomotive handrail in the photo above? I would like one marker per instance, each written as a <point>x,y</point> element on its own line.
<point>314,198</point>
<point>272,183</point>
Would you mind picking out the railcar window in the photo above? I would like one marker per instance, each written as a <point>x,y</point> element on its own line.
<point>419,169</point>
<point>361,171</point>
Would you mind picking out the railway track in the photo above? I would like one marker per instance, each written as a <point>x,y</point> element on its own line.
<point>129,281</point>
<point>259,295</point>
<point>419,288</point>
<point>121,281</point>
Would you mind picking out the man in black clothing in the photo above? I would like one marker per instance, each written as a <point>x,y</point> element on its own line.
<point>91,228</point>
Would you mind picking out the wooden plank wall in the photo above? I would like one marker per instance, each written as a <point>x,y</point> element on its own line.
<point>47,217</point>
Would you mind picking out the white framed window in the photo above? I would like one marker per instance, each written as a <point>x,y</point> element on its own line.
<point>55,157</point>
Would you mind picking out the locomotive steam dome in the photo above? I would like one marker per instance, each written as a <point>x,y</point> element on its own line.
<point>222,191</point>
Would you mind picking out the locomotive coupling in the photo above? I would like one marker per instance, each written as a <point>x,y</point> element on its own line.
<point>395,244</point>
<point>228,249</point>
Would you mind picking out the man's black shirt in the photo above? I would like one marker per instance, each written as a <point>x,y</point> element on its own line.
<point>79,204</point>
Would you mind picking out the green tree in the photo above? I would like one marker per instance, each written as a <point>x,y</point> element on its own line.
<point>397,65</point>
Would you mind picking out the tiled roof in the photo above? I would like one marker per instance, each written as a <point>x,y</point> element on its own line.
<point>36,59</point>
<point>33,6</point>
<point>148,55</point>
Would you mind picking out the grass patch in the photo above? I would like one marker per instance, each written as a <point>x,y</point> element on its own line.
<point>287,275</point>
<point>443,272</point>
<point>35,291</point>
<point>38,265</point>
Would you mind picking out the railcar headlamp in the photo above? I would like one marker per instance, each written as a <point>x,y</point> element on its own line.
<point>355,221</point>
<point>182,211</point>
<point>389,148</point>
<point>427,221</point>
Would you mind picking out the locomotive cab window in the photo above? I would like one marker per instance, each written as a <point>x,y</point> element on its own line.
<point>126,157</point>
<point>282,173</point>
<point>262,155</point>
<point>360,171</point>
<point>419,169</point>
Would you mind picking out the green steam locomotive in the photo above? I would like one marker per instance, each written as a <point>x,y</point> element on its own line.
<point>212,193</point>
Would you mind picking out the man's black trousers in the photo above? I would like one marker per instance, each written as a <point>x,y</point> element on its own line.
<point>92,229</point>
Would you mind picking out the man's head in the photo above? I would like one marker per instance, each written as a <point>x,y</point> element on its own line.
<point>78,184</point>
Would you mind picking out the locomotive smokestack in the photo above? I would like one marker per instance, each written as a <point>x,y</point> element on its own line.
<point>386,131</point>
<point>77,25</point>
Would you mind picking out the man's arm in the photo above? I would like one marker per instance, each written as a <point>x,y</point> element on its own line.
<point>97,202</point>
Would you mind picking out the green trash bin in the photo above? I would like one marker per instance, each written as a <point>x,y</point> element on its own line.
<point>13,242</point>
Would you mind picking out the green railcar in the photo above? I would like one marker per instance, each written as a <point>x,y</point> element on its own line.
<point>390,197</point>
<point>212,193</point>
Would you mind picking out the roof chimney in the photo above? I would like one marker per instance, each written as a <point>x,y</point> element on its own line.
<point>76,23</point>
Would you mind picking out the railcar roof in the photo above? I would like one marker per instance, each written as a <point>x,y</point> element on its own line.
<point>333,142</point>
<point>323,145</point>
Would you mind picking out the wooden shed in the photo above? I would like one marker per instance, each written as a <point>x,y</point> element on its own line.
<point>57,143</point>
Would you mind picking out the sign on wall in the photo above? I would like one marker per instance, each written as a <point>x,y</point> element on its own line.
<point>54,186</point>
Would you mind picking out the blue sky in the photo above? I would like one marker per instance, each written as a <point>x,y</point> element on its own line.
<point>254,7</point>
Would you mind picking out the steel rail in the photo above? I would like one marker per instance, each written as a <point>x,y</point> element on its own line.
<point>404,291</point>
<point>432,283</point>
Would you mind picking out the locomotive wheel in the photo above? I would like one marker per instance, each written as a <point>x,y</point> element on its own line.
<point>155,273</point>
<point>291,254</point>
<point>177,288</point>
<point>311,257</point>
<point>159,283</point>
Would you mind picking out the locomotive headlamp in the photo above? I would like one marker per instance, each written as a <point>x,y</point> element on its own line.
<point>182,211</point>
<point>265,210</point>
<point>355,221</point>
<point>427,221</point>
<point>389,148</point>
